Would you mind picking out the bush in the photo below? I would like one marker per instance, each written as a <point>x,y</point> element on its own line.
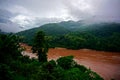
<point>66,62</point>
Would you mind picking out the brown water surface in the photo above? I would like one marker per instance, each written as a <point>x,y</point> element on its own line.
<point>106,64</point>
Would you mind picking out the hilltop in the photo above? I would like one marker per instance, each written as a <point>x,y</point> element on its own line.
<point>76,35</point>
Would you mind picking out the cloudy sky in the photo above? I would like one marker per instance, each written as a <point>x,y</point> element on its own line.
<point>25,14</point>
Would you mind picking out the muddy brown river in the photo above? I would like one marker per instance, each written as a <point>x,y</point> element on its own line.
<point>106,64</point>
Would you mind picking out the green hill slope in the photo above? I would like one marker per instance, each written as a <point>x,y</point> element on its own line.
<point>76,35</point>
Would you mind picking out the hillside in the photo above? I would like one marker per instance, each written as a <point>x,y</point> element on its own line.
<point>77,35</point>
<point>71,26</point>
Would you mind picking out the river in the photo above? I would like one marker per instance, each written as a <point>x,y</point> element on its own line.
<point>106,64</point>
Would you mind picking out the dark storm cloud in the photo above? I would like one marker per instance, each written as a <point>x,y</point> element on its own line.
<point>73,9</point>
<point>26,12</point>
<point>101,10</point>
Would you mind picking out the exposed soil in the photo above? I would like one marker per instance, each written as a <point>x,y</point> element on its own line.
<point>106,64</point>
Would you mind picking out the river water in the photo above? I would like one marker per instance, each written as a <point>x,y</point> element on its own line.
<point>106,64</point>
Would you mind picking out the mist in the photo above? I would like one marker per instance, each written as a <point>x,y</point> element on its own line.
<point>26,14</point>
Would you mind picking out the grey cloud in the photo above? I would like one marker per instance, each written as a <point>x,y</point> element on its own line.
<point>45,11</point>
<point>78,9</point>
<point>108,10</point>
<point>5,24</point>
<point>9,27</point>
<point>5,14</point>
<point>101,10</point>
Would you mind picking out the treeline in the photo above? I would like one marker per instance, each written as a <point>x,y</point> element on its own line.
<point>80,40</point>
<point>76,35</point>
<point>14,66</point>
<point>88,40</point>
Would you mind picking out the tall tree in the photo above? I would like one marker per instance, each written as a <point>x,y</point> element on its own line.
<point>40,46</point>
<point>9,47</point>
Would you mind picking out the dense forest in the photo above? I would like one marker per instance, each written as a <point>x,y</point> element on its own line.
<point>59,39</point>
<point>14,66</point>
<point>78,35</point>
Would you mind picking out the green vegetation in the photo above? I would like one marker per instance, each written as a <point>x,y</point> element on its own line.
<point>9,48</point>
<point>87,40</point>
<point>76,35</point>
<point>40,46</point>
<point>14,66</point>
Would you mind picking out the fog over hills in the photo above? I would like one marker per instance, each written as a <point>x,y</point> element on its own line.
<point>19,15</point>
<point>87,29</point>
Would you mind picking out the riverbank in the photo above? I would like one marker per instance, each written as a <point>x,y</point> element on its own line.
<point>106,64</point>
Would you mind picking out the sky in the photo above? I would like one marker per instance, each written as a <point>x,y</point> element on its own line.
<point>26,14</point>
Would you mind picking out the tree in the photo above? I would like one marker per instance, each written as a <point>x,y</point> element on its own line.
<point>40,46</point>
<point>66,62</point>
<point>9,48</point>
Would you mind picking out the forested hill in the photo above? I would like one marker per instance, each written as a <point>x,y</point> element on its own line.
<point>77,35</point>
<point>71,26</point>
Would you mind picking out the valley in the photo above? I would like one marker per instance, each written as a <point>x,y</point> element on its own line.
<point>60,40</point>
<point>106,64</point>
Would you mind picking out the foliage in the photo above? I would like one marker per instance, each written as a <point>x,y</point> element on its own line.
<point>76,35</point>
<point>22,68</point>
<point>9,47</point>
<point>66,62</point>
<point>54,71</point>
<point>6,74</point>
<point>40,46</point>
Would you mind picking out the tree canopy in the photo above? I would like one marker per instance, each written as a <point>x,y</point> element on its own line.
<point>40,46</point>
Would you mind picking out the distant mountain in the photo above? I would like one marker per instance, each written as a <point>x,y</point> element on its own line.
<point>49,29</point>
<point>72,26</point>
<point>52,29</point>
<point>15,22</point>
<point>103,29</point>
<point>62,28</point>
